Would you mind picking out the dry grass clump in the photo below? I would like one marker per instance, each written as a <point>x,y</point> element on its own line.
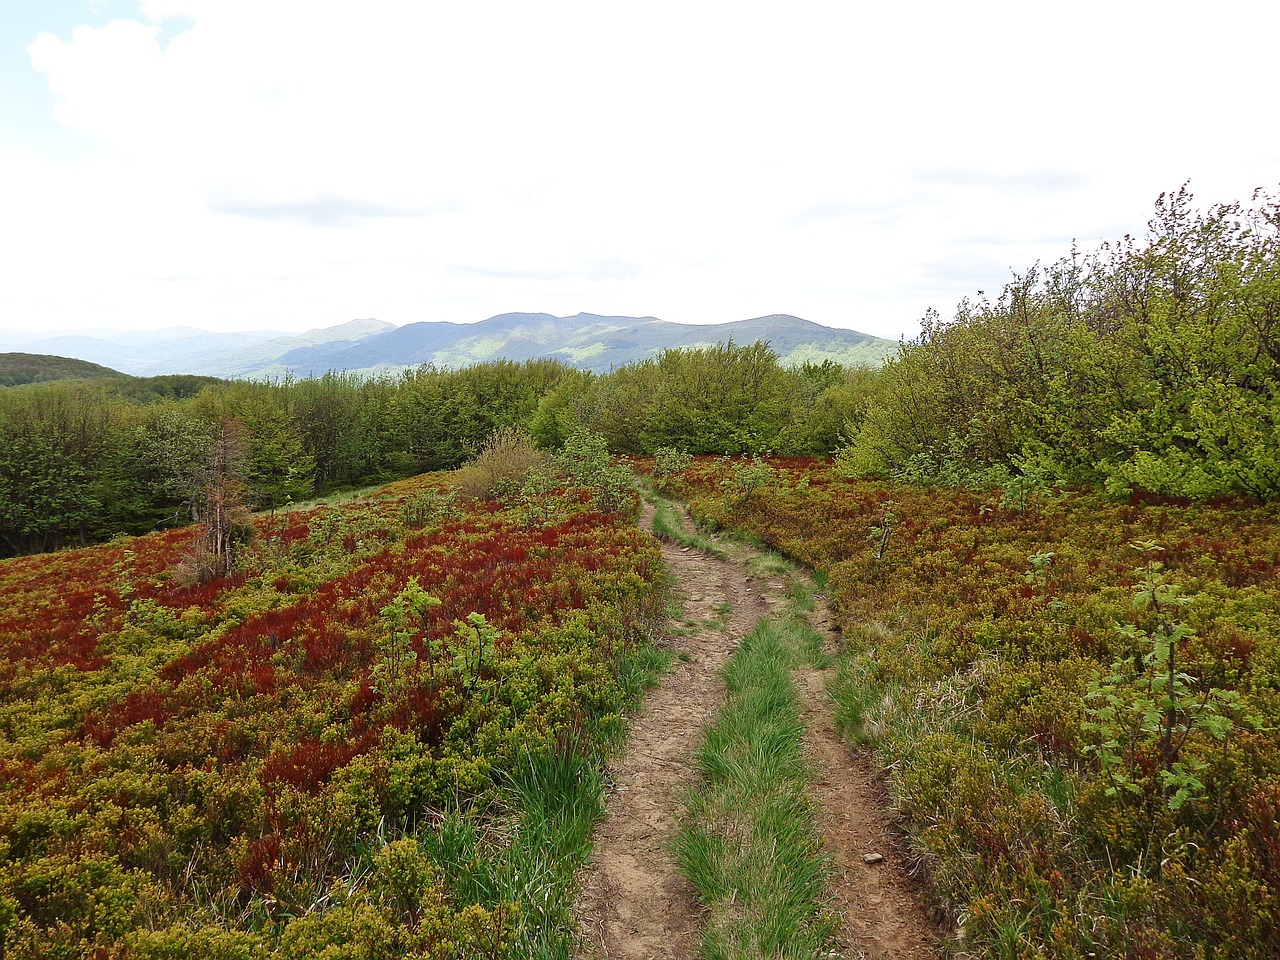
<point>500,466</point>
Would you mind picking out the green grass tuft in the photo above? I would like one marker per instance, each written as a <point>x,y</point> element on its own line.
<point>529,856</point>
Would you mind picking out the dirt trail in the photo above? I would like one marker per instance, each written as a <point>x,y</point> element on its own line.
<point>878,902</point>
<point>635,905</point>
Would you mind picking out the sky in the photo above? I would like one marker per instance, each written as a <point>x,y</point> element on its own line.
<point>290,164</point>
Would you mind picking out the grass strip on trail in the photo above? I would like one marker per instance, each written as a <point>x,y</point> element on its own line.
<point>669,524</point>
<point>748,845</point>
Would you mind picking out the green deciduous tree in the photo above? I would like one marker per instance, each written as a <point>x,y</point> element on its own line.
<point>54,441</point>
<point>723,399</point>
<point>443,415</point>
<point>276,467</point>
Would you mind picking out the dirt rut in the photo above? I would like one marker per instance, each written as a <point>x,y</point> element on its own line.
<point>876,899</point>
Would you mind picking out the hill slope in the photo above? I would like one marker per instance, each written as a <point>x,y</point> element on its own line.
<point>17,369</point>
<point>190,350</point>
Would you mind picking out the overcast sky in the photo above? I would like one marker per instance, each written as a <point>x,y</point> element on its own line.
<point>289,164</point>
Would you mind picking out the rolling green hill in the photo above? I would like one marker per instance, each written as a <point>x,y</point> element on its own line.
<point>17,369</point>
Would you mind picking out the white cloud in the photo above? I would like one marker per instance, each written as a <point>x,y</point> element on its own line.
<point>293,164</point>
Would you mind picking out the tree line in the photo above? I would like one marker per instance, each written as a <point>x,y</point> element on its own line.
<point>83,461</point>
<point>1143,365</point>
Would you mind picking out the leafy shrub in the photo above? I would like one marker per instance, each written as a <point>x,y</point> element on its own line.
<point>425,508</point>
<point>747,476</point>
<point>585,460</point>
<point>1158,709</point>
<point>668,464</point>
<point>1146,364</point>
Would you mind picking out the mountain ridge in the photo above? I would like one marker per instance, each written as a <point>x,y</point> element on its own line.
<point>367,346</point>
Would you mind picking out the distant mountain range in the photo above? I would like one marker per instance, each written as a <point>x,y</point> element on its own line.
<point>586,341</point>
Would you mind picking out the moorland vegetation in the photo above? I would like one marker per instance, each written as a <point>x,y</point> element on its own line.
<point>1052,546</point>
<point>1077,696</point>
<point>378,734</point>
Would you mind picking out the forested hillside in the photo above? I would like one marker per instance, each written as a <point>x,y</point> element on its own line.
<point>1144,365</point>
<point>371,347</point>
<point>17,369</point>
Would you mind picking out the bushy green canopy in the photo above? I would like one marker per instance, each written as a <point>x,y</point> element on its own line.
<point>1144,364</point>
